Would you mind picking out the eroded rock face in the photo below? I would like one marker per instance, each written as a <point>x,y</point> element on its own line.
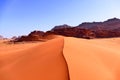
<point>106,34</point>
<point>106,29</point>
<point>110,24</point>
<point>73,32</point>
<point>64,26</point>
<point>33,36</point>
<point>36,33</point>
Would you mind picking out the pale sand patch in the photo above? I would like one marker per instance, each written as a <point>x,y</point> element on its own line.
<point>95,59</point>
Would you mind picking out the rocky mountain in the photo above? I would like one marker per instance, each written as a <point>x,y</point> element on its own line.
<point>110,24</point>
<point>64,26</point>
<point>33,36</point>
<point>73,32</point>
<point>106,29</point>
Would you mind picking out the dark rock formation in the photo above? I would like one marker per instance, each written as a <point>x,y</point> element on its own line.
<point>110,24</point>
<point>36,33</point>
<point>61,27</point>
<point>73,32</point>
<point>106,29</point>
<point>106,34</point>
<point>33,36</point>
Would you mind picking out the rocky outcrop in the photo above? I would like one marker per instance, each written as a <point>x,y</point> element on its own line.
<point>64,26</point>
<point>73,32</point>
<point>110,24</point>
<point>33,36</point>
<point>106,34</point>
<point>106,29</point>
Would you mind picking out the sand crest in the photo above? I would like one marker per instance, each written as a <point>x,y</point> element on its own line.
<point>61,58</point>
<point>42,61</point>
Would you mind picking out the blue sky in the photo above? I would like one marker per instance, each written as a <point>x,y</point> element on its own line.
<point>19,17</point>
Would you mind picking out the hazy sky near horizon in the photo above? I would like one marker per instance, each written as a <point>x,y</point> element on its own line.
<point>19,17</point>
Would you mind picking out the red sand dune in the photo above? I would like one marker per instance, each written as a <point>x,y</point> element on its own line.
<point>58,59</point>
<point>43,61</point>
<point>97,59</point>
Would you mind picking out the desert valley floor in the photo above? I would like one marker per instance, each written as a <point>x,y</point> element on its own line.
<point>61,58</point>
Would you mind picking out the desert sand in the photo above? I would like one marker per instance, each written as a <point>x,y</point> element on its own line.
<point>61,58</point>
<point>96,59</point>
<point>39,61</point>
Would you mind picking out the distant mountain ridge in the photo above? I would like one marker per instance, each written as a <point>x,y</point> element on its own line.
<point>61,27</point>
<point>110,24</point>
<point>89,30</point>
<point>1,37</point>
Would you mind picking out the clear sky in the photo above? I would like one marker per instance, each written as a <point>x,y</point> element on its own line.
<point>18,17</point>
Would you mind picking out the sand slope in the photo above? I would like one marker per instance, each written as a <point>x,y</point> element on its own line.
<point>97,59</point>
<point>61,59</point>
<point>42,61</point>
